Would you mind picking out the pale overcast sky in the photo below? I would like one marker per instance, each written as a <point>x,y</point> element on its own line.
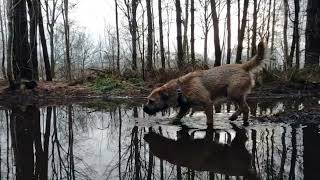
<point>94,15</point>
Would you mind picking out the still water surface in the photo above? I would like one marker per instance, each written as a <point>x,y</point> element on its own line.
<point>107,140</point>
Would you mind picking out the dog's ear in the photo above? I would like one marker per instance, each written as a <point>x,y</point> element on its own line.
<point>164,95</point>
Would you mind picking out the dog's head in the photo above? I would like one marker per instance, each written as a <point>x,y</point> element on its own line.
<point>161,98</point>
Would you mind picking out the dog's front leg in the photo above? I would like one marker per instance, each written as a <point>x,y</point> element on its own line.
<point>209,114</point>
<point>182,112</point>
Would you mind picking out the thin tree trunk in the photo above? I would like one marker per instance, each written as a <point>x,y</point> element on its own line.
<point>206,49</point>
<point>193,59</point>
<point>168,38</point>
<point>43,42</point>
<point>273,27</point>
<point>3,45</point>
<point>242,30</point>
<point>149,39</point>
<point>134,6</point>
<point>254,29</point>
<point>297,10</point>
<point>229,31</point>
<point>118,38</point>
<point>51,22</point>
<point>295,29</point>
<point>10,40</point>
<point>268,23</point>
<point>285,37</point>
<point>67,39</point>
<point>33,15</point>
<point>185,31</point>
<point>215,21</point>
<point>163,60</point>
<point>179,35</point>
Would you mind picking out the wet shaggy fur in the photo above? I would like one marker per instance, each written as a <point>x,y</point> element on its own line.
<point>203,88</point>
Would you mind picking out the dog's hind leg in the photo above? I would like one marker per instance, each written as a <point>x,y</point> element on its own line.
<point>243,108</point>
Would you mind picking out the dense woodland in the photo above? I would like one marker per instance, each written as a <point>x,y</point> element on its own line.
<point>41,42</point>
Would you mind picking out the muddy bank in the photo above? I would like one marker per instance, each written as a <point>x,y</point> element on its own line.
<point>58,93</point>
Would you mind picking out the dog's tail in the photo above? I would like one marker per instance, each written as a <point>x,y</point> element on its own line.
<point>256,60</point>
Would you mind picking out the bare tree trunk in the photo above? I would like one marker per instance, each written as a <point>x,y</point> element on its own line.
<point>179,35</point>
<point>150,34</point>
<point>193,59</point>
<point>239,23</point>
<point>273,27</point>
<point>185,31</point>
<point>215,21</point>
<point>67,39</point>
<point>295,33</point>
<point>229,31</point>
<point>3,45</point>
<point>297,9</point>
<point>268,23</point>
<point>168,38</point>
<point>206,27</point>
<point>22,67</point>
<point>43,42</point>
<point>134,6</point>
<point>33,15</point>
<point>242,30</point>
<point>163,60</point>
<point>118,38</point>
<point>10,40</point>
<point>254,29</point>
<point>285,36</point>
<point>51,22</point>
<point>312,39</point>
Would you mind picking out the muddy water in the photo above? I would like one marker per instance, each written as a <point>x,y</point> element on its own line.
<point>106,140</point>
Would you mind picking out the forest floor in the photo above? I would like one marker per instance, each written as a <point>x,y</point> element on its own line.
<point>62,92</point>
<point>302,83</point>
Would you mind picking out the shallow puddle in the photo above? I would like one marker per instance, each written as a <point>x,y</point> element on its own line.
<point>107,140</point>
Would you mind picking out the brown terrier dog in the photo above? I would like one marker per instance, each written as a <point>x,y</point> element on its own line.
<point>203,88</point>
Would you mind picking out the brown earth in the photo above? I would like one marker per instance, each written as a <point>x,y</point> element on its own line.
<point>63,93</point>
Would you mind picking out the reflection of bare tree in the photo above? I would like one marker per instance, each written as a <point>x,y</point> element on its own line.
<point>150,165</point>
<point>8,130</point>
<point>161,161</point>
<point>254,148</point>
<point>294,152</point>
<point>119,142</point>
<point>21,127</point>
<point>272,155</point>
<point>70,147</point>
<point>268,163</point>
<point>311,156</point>
<point>283,154</point>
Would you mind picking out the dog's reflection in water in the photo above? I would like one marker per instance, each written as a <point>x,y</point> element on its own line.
<point>205,154</point>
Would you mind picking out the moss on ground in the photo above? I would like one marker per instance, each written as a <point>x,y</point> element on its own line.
<point>110,83</point>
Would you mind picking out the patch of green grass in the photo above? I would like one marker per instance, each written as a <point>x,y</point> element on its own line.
<point>136,81</point>
<point>107,83</point>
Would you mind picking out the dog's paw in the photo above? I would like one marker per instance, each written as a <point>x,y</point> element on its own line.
<point>245,123</point>
<point>233,118</point>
